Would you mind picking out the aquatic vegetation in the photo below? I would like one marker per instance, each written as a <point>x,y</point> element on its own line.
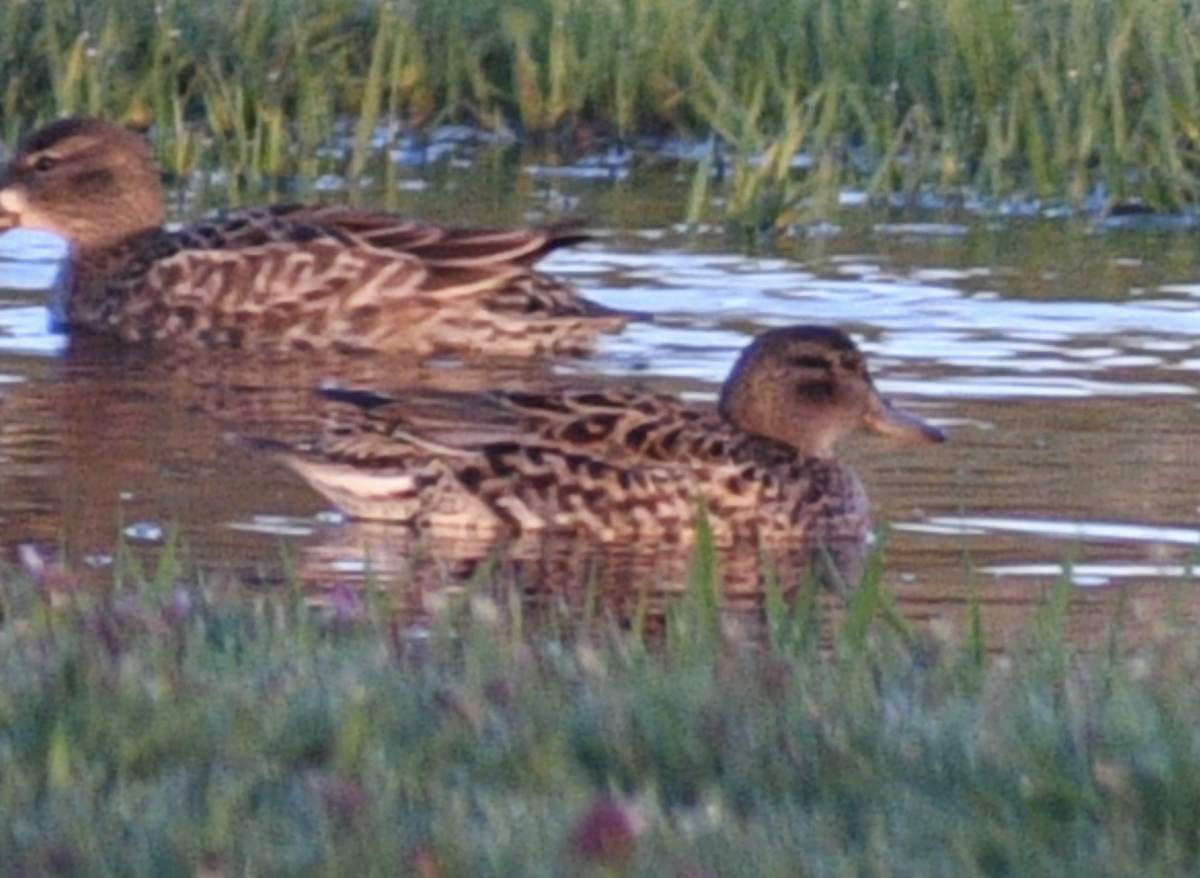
<point>169,726</point>
<point>1047,100</point>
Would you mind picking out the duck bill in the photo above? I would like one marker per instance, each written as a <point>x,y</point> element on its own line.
<point>889,420</point>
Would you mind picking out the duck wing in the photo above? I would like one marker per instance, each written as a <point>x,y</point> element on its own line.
<point>441,247</point>
<point>624,427</point>
<point>269,278</point>
<point>434,244</point>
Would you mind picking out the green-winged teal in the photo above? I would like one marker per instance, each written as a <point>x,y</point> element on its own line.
<point>621,464</point>
<point>285,277</point>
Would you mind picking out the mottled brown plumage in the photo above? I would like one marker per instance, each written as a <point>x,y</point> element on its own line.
<point>622,465</point>
<point>288,277</point>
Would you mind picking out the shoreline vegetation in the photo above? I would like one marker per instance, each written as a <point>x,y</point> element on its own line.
<point>992,98</point>
<point>169,726</point>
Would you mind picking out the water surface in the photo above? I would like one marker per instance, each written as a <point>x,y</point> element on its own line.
<point>1061,355</point>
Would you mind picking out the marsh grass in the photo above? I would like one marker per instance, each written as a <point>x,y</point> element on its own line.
<point>982,97</point>
<point>166,726</point>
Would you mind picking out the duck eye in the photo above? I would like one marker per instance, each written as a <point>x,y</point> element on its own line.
<point>44,163</point>
<point>815,391</point>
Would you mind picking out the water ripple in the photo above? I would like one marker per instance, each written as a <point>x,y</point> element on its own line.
<point>1064,364</point>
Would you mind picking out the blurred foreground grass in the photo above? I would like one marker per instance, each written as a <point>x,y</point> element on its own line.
<point>164,729</point>
<point>993,97</point>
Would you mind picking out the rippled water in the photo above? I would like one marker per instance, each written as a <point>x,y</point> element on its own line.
<point>1060,355</point>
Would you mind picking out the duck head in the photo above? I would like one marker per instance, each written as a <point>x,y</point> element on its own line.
<point>808,387</point>
<point>92,182</point>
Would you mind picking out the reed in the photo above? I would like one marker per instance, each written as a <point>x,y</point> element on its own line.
<point>994,97</point>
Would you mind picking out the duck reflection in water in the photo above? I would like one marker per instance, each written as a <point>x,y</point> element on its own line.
<point>622,466</point>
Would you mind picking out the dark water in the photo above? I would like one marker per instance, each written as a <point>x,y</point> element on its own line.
<point>1061,355</point>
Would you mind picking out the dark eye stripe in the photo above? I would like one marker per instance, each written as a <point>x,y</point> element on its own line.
<point>809,362</point>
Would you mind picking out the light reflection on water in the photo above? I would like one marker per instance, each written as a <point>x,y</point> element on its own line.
<point>1096,575</point>
<point>1062,363</point>
<point>1068,530</point>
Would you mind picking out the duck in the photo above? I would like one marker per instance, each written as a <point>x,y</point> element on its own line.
<point>621,464</point>
<point>286,277</point>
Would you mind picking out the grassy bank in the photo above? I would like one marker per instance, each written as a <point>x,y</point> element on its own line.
<point>174,730</point>
<point>995,96</point>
